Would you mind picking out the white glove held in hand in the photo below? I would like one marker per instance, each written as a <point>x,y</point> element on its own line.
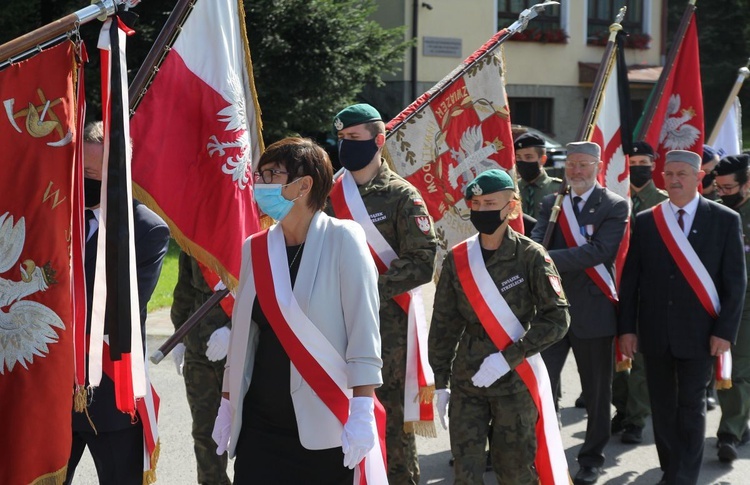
<point>178,355</point>
<point>218,344</point>
<point>493,368</point>
<point>443,397</point>
<point>360,432</point>
<point>222,426</point>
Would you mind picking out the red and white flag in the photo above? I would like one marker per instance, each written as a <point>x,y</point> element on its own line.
<point>196,136</point>
<point>729,133</point>
<point>451,134</point>
<point>41,220</point>
<point>677,123</point>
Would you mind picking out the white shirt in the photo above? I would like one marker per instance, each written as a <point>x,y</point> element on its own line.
<point>93,224</point>
<point>584,197</point>
<point>689,213</point>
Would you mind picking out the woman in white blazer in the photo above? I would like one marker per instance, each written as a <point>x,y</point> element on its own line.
<point>322,279</point>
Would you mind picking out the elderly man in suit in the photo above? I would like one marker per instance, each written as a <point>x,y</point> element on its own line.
<point>584,247</point>
<point>114,439</point>
<point>681,300</point>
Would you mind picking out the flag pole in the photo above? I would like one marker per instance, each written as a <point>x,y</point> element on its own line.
<point>158,52</point>
<point>586,128</point>
<point>35,40</point>
<point>498,39</point>
<point>674,49</point>
<point>743,74</point>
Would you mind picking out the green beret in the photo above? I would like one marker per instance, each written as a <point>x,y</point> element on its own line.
<point>355,114</point>
<point>733,164</point>
<point>489,182</point>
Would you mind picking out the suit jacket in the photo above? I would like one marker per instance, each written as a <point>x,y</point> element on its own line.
<point>592,315</point>
<point>656,301</point>
<point>151,236</point>
<point>337,288</point>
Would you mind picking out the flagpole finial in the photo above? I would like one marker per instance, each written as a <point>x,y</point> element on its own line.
<point>745,70</point>
<point>621,14</point>
<point>617,26</point>
<point>528,14</point>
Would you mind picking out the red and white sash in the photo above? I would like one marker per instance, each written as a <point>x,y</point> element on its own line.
<point>503,327</point>
<point>317,361</point>
<point>420,381</point>
<point>573,238</point>
<point>147,408</point>
<point>697,276</point>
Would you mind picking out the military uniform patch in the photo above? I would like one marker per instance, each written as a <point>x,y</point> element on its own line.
<point>423,223</point>
<point>555,282</point>
<point>418,202</point>
<point>547,259</point>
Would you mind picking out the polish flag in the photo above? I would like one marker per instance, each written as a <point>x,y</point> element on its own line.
<point>196,136</point>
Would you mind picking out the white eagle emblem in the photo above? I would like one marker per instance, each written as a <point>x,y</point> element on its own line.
<point>423,223</point>
<point>676,134</point>
<point>338,124</point>
<point>26,328</point>
<point>235,117</point>
<point>472,156</point>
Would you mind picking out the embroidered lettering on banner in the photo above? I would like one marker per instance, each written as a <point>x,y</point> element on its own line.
<point>377,217</point>
<point>511,282</point>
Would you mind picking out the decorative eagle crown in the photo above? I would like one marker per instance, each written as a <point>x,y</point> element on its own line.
<point>49,274</point>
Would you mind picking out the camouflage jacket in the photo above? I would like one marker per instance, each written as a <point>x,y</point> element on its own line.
<point>533,193</point>
<point>458,343</point>
<point>744,212</point>
<point>190,293</point>
<point>398,211</point>
<point>647,197</point>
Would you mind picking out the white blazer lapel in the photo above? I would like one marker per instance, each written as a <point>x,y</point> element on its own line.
<point>308,268</point>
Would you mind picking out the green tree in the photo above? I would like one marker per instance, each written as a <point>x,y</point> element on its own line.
<point>313,57</point>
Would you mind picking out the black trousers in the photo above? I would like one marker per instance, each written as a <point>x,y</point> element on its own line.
<point>595,359</point>
<point>678,404</point>
<point>118,455</point>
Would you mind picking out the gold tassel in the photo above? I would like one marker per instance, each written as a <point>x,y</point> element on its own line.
<point>723,384</point>
<point>79,399</point>
<point>149,476</point>
<point>426,394</point>
<point>624,365</point>
<point>54,478</point>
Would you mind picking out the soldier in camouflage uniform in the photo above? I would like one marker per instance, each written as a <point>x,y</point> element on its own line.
<point>629,390</point>
<point>399,213</point>
<point>734,189</point>
<point>460,348</point>
<point>200,358</point>
<point>534,183</point>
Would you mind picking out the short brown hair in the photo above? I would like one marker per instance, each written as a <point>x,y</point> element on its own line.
<point>300,157</point>
<point>375,128</point>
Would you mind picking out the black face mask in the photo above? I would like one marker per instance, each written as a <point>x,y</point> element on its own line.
<point>528,171</point>
<point>92,192</point>
<point>354,155</point>
<point>640,175</point>
<point>708,179</point>
<point>487,222</point>
<point>732,200</point>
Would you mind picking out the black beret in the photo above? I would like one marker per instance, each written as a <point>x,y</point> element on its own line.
<point>642,148</point>
<point>733,164</point>
<point>528,140</point>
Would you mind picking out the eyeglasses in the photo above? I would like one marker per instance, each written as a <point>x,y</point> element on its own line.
<point>570,164</point>
<point>268,174</point>
<point>724,189</point>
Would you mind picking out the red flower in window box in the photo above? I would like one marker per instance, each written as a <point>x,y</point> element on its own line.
<point>549,36</point>
<point>632,41</point>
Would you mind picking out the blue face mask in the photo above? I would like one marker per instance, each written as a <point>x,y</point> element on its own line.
<point>272,202</point>
<point>355,155</point>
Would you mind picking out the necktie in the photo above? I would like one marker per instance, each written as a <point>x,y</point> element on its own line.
<point>680,222</point>
<point>576,201</point>
<point>636,204</point>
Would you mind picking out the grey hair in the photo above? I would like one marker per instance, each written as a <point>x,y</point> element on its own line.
<point>94,132</point>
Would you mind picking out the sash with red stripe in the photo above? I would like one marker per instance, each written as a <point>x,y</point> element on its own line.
<point>503,327</point>
<point>317,361</point>
<point>420,381</point>
<point>573,238</point>
<point>148,411</point>
<point>697,276</point>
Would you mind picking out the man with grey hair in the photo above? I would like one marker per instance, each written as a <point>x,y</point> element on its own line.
<point>584,246</point>
<point>681,298</point>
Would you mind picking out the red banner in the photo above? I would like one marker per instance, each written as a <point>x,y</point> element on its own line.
<point>678,121</point>
<point>37,133</point>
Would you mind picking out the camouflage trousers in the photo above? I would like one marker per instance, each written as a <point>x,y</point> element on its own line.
<point>735,401</point>
<point>630,393</point>
<point>203,381</point>
<point>513,444</point>
<point>401,447</point>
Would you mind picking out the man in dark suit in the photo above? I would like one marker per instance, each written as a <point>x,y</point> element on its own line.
<point>681,300</point>
<point>587,237</point>
<point>115,441</point>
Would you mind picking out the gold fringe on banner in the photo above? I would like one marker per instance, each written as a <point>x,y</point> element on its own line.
<point>624,365</point>
<point>251,77</point>
<point>149,476</point>
<point>723,384</point>
<point>54,478</point>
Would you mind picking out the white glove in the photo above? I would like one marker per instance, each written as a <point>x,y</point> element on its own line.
<point>222,426</point>
<point>359,433</point>
<point>493,368</point>
<point>218,344</point>
<point>443,397</point>
<point>178,355</point>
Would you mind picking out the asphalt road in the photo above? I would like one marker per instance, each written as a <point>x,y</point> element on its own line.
<point>625,464</point>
